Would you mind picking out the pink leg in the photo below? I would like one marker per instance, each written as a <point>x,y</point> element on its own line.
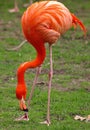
<point>49,89</point>
<point>31,1</point>
<point>15,9</point>
<point>33,86</point>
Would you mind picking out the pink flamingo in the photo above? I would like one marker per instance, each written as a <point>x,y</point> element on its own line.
<point>42,22</point>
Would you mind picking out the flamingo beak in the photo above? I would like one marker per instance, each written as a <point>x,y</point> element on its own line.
<point>23,106</point>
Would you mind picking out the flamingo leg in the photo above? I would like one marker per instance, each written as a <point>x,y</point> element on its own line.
<point>31,1</point>
<point>15,9</point>
<point>47,122</point>
<point>49,86</point>
<point>33,86</point>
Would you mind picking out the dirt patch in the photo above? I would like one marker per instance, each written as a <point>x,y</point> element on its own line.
<point>87,89</point>
<point>63,89</point>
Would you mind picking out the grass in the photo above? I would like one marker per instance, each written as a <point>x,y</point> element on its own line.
<point>70,93</point>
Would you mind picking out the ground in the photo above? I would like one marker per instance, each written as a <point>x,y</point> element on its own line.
<point>71,82</point>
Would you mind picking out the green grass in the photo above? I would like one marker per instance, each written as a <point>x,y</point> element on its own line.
<point>70,93</point>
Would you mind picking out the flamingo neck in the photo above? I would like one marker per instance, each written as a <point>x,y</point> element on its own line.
<point>32,64</point>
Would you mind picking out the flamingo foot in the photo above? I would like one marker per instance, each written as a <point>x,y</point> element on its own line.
<point>46,122</point>
<point>14,10</point>
<point>23,118</point>
<point>26,5</point>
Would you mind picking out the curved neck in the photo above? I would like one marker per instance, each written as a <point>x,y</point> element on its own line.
<point>32,64</point>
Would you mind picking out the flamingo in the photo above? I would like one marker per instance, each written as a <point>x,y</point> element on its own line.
<point>42,22</point>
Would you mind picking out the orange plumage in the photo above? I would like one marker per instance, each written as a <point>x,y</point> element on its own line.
<point>48,20</point>
<point>43,22</point>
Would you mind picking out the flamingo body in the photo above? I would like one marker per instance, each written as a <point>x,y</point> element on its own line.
<point>46,21</point>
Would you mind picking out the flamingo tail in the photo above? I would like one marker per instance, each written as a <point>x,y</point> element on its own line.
<point>77,21</point>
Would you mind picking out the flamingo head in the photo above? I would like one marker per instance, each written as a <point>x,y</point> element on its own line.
<point>21,95</point>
